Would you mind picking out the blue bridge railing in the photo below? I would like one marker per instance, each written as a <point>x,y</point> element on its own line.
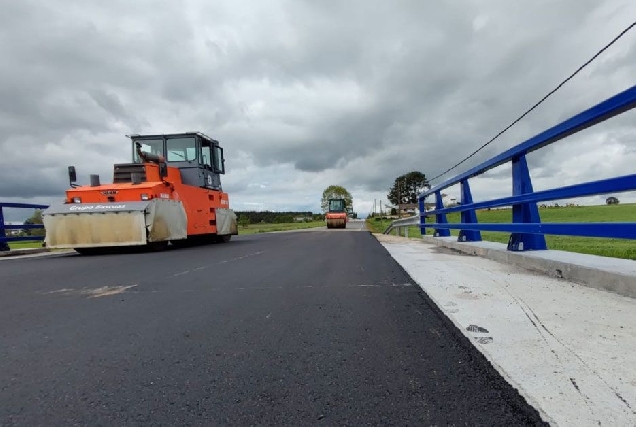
<point>4,239</point>
<point>527,230</point>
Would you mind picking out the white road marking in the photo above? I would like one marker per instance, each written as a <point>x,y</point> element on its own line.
<point>203,267</point>
<point>103,291</point>
<point>181,273</point>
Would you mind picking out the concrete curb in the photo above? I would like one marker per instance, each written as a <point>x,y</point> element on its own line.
<point>19,252</point>
<point>609,274</point>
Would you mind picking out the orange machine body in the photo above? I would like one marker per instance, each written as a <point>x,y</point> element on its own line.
<point>199,203</point>
<point>336,220</point>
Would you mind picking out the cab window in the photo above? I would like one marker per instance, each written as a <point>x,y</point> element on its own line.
<point>218,160</point>
<point>207,156</point>
<point>182,149</point>
<point>152,146</point>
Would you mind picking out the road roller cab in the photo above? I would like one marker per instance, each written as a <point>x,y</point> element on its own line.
<point>170,192</point>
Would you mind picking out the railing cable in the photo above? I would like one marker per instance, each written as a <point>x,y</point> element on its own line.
<point>538,103</point>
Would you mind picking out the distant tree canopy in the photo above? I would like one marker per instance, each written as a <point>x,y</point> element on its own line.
<point>407,187</point>
<point>36,218</point>
<point>335,192</point>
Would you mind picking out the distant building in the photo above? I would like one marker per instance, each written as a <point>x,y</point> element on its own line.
<point>12,232</point>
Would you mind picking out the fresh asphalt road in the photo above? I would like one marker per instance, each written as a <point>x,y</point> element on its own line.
<point>317,327</point>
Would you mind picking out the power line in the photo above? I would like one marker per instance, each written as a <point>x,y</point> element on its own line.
<point>542,99</point>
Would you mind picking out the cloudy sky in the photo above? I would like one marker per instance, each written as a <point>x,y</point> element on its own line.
<point>304,94</point>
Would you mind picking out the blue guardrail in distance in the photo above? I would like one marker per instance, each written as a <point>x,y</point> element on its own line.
<point>4,239</point>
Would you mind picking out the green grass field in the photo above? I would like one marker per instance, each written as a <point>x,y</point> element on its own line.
<point>25,245</point>
<point>267,228</point>
<point>617,248</point>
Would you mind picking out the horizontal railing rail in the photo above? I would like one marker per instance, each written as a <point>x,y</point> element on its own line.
<point>404,223</point>
<point>4,239</point>
<point>527,230</point>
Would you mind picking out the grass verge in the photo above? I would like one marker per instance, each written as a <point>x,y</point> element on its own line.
<point>268,228</point>
<point>616,248</point>
<point>25,245</point>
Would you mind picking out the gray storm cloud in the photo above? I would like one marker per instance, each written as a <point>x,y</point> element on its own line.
<point>305,94</point>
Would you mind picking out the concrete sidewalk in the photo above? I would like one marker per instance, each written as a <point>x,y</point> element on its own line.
<point>21,252</point>
<point>32,252</point>
<point>569,349</point>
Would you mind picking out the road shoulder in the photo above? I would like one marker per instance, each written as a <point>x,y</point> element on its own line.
<point>569,349</point>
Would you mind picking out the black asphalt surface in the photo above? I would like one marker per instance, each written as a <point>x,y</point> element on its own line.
<point>304,328</point>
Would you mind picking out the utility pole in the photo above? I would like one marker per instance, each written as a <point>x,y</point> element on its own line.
<point>406,190</point>
<point>399,199</point>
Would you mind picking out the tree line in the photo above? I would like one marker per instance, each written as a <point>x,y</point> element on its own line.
<point>273,217</point>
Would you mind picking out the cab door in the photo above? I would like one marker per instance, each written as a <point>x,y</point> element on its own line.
<point>213,165</point>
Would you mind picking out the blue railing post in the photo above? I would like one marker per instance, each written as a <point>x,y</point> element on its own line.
<point>422,204</point>
<point>440,218</point>
<point>468,217</point>
<point>524,212</point>
<point>4,246</point>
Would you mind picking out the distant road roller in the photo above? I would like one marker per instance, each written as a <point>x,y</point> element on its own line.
<point>336,215</point>
<point>171,192</point>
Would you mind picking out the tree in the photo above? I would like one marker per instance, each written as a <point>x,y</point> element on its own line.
<point>407,187</point>
<point>335,192</point>
<point>244,221</point>
<point>36,218</point>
